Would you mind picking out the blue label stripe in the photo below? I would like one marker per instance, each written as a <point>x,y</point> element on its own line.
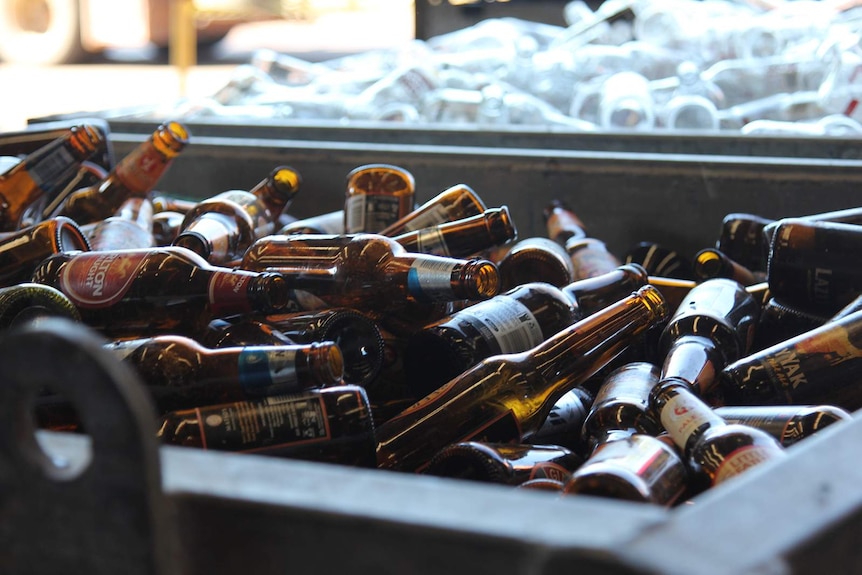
<point>254,373</point>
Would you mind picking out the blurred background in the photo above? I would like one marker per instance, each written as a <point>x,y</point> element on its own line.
<point>52,62</point>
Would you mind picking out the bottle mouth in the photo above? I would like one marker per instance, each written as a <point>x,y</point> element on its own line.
<point>87,139</point>
<point>277,292</point>
<point>69,237</point>
<point>170,138</point>
<point>707,264</point>
<point>380,179</point>
<point>502,228</point>
<point>482,279</point>
<point>654,301</point>
<point>286,181</point>
<point>326,362</point>
<point>361,345</point>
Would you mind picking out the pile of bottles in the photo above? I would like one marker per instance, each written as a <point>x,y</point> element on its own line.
<point>431,338</point>
<point>776,67</point>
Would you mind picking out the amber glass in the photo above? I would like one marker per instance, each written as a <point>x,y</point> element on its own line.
<point>220,229</point>
<point>742,239</point>
<point>712,263</point>
<point>130,228</point>
<point>378,195</point>
<point>590,257</point>
<point>717,449</point>
<point>331,223</point>
<point>506,398</point>
<point>331,425</point>
<point>504,463</point>
<point>37,175</point>
<point>674,290</point>
<point>21,252</point>
<point>157,290</point>
<point>26,302</point>
<point>658,260</point>
<point>823,365</point>
<point>535,259</point>
<point>788,424</point>
<point>166,227</point>
<point>565,421</point>
<point>462,238</point>
<point>163,203</point>
<point>455,203</point>
<point>513,322</point>
<point>592,294</point>
<point>712,327</point>
<point>562,223</point>
<point>180,373</point>
<point>369,271</point>
<point>638,467</point>
<point>779,322</point>
<point>135,175</point>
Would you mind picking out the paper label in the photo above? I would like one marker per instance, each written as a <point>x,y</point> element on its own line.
<point>430,279</point>
<point>265,371</point>
<point>370,213</point>
<point>431,241</point>
<point>50,167</point>
<point>100,279</point>
<point>228,292</point>
<point>507,322</point>
<point>683,416</point>
<point>740,460</point>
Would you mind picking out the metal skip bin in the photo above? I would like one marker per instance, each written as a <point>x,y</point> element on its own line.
<point>133,507</point>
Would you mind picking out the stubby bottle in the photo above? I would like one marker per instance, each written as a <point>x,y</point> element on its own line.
<point>378,195</point>
<point>220,229</point>
<point>455,203</point>
<point>503,463</point>
<point>462,238</point>
<point>21,252</point>
<point>716,449</point>
<point>331,425</point>
<point>157,290</point>
<point>135,175</point>
<point>788,424</point>
<point>37,175</point>
<point>180,373</point>
<point>369,271</point>
<point>506,398</point>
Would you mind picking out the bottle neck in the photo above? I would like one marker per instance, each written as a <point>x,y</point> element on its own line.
<point>694,360</point>
<point>592,294</point>
<point>685,417</point>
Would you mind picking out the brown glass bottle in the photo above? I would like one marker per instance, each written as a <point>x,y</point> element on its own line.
<point>331,425</point>
<point>742,239</point>
<point>331,223</point>
<point>462,238</point>
<point>660,261</point>
<point>788,424</point>
<point>674,290</point>
<point>130,228</point>
<point>503,463</point>
<point>713,263</point>
<point>181,374</point>
<point>712,327</point>
<point>590,257</point>
<point>356,334</point>
<point>455,203</point>
<point>820,366</point>
<point>157,290</point>
<point>592,294</point>
<point>368,271</point>
<point>712,447</point>
<point>163,203</point>
<point>378,195</point>
<point>135,175</point>
<point>166,227</point>
<point>220,229</point>
<point>565,421</point>
<point>21,252</point>
<point>40,172</point>
<point>779,322</point>
<point>562,223</point>
<point>506,398</point>
<point>535,259</point>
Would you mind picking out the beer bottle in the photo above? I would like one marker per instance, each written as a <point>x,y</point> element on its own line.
<point>130,228</point>
<point>26,302</point>
<point>165,203</point>
<point>378,195</point>
<point>455,203</point>
<point>221,228</point>
<point>41,171</point>
<point>674,290</point>
<point>845,216</point>
<point>712,448</point>
<point>330,223</point>
<point>182,374</point>
<point>369,271</point>
<point>713,326</point>
<point>462,238</point>
<point>788,424</point>
<point>157,290</point>
<point>742,240</point>
<point>166,227</point>
<point>357,336</point>
<point>535,259</point>
<point>330,425</point>
<point>658,260</point>
<point>562,223</point>
<point>712,263</point>
<point>820,366</point>
<point>590,257</point>
<point>506,398</point>
<point>592,294</point>
<point>564,422</point>
<point>22,251</point>
<point>503,463</point>
<point>779,322</point>
<point>135,175</point>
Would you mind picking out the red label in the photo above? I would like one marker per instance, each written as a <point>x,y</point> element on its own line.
<point>228,292</point>
<point>141,169</point>
<point>548,470</point>
<point>100,279</point>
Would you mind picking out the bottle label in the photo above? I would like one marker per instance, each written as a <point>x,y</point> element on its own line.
<point>567,414</point>
<point>228,292</point>
<point>548,470</point>
<point>370,212</point>
<point>271,422</point>
<point>683,416</point>
<point>434,216</point>
<point>141,169</point>
<point>100,279</point>
<point>431,241</point>
<point>741,459</point>
<point>507,322</point>
<point>430,279</point>
<point>48,168</point>
<point>265,371</point>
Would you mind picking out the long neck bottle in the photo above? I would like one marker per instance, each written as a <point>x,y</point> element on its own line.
<point>180,373</point>
<point>455,203</point>
<point>220,229</point>
<point>562,223</point>
<point>369,271</point>
<point>130,228</point>
<point>21,252</point>
<point>462,238</point>
<point>157,290</point>
<point>135,175</point>
<point>507,397</point>
<point>788,424</point>
<point>37,175</point>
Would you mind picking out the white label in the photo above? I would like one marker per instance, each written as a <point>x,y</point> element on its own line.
<point>431,241</point>
<point>430,278</point>
<point>434,216</point>
<point>370,213</point>
<point>742,459</point>
<point>683,415</point>
<point>512,325</point>
<point>51,166</point>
